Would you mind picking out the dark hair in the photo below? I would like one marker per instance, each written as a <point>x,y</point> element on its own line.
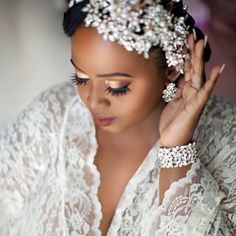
<point>74,17</point>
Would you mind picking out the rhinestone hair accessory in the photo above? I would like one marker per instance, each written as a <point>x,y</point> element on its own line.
<point>177,156</point>
<point>139,25</point>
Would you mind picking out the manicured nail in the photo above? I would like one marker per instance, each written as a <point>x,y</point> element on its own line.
<point>194,34</point>
<point>205,40</point>
<point>222,68</point>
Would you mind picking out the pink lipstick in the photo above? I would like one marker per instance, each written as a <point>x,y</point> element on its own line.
<point>103,121</point>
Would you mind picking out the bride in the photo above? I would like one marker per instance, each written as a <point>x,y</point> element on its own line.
<point>136,144</point>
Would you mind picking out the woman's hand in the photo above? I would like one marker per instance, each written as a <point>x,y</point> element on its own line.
<point>180,117</point>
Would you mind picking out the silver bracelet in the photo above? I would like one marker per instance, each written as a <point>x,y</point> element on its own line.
<point>177,156</point>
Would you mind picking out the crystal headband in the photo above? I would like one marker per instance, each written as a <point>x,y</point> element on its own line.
<point>139,27</point>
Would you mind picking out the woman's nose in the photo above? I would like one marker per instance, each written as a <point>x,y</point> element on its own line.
<point>96,98</point>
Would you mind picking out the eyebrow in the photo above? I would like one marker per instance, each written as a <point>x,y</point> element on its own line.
<point>114,74</point>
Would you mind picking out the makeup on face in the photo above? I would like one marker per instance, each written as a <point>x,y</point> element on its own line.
<point>103,67</point>
<point>115,87</point>
<point>103,121</point>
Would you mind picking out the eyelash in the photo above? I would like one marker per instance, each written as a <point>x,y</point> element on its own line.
<point>114,92</point>
<point>78,81</point>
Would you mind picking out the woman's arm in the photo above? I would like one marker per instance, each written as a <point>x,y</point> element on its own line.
<point>191,206</point>
<point>210,196</point>
<point>190,198</point>
<point>168,176</point>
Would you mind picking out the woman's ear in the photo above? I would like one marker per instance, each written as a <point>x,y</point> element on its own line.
<point>171,75</point>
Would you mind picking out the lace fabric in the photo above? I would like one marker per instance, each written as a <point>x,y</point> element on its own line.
<point>49,183</point>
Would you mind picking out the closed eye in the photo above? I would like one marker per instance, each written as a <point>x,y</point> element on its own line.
<point>118,91</point>
<point>113,91</point>
<point>78,81</point>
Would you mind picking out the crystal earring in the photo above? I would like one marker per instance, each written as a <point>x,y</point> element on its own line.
<point>169,92</point>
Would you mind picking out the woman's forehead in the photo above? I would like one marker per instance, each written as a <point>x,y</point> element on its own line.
<point>89,48</point>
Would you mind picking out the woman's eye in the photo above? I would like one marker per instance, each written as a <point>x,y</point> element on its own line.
<point>118,91</point>
<point>113,91</point>
<point>78,81</point>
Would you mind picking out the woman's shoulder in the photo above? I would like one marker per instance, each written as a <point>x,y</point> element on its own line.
<point>216,129</point>
<point>53,103</point>
<point>216,142</point>
<point>53,100</point>
<point>220,109</point>
<point>215,138</point>
<point>61,92</point>
<point>44,114</point>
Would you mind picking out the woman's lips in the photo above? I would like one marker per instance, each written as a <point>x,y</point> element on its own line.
<point>103,121</point>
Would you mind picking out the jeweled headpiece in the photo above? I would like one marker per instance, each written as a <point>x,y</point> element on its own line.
<point>139,25</point>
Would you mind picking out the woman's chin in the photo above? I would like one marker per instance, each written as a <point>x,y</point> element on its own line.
<point>113,128</point>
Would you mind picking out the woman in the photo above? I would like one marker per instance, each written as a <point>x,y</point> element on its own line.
<point>110,157</point>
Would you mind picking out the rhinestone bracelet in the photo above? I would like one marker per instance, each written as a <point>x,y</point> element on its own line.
<point>177,156</point>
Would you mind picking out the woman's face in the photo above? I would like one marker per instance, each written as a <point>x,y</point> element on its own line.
<point>120,88</point>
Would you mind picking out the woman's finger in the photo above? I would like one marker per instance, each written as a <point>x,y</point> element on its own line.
<point>191,45</point>
<point>198,66</point>
<point>189,59</point>
<point>187,68</point>
<point>180,86</point>
<point>198,57</point>
<point>211,82</point>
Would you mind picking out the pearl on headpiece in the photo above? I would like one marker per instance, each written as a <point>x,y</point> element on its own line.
<point>139,28</point>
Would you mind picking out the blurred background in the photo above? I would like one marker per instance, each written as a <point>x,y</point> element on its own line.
<point>35,53</point>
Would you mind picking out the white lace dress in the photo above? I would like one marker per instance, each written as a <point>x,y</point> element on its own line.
<point>49,183</point>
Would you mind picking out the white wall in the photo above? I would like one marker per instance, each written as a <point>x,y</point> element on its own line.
<point>34,53</point>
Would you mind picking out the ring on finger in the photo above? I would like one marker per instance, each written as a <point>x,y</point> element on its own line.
<point>187,57</point>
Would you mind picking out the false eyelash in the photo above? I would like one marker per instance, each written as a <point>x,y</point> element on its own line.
<point>118,91</point>
<point>78,81</point>
<point>114,92</point>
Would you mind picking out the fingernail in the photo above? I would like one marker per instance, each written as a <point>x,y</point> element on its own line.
<point>222,68</point>
<point>205,40</point>
<point>194,34</point>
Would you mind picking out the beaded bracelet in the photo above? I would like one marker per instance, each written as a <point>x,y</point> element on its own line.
<point>177,156</point>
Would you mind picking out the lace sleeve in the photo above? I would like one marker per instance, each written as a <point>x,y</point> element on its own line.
<point>25,148</point>
<point>190,205</point>
<point>204,201</point>
<point>217,131</point>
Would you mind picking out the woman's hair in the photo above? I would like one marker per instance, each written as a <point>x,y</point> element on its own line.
<point>74,17</point>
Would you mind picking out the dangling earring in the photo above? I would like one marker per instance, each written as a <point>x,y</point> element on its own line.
<point>169,92</point>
